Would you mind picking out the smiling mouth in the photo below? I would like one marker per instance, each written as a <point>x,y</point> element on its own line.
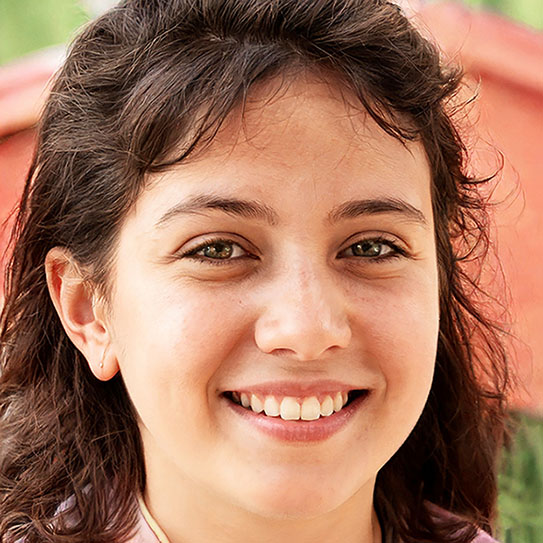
<point>292,408</point>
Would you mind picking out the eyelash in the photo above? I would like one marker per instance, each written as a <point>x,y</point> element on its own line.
<point>192,253</point>
<point>396,251</point>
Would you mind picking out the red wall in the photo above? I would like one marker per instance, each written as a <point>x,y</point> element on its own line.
<point>15,156</point>
<point>505,60</point>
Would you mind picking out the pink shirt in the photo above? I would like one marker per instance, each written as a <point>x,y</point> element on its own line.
<point>146,534</point>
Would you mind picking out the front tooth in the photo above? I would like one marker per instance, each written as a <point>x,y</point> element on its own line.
<point>338,402</point>
<point>311,409</point>
<point>327,406</point>
<point>256,404</point>
<point>271,406</point>
<point>290,409</point>
<point>245,401</point>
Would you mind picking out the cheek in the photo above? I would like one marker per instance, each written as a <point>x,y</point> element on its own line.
<point>172,348</point>
<point>403,332</point>
<point>172,340</point>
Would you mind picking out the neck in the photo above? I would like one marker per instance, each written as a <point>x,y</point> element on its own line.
<point>191,515</point>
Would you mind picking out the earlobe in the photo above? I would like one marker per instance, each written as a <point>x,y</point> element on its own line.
<point>81,312</point>
<point>107,367</point>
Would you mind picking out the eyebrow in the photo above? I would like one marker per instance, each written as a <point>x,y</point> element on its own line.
<point>256,210</point>
<point>232,206</point>
<point>377,206</point>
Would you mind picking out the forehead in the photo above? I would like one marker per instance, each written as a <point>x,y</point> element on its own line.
<point>305,138</point>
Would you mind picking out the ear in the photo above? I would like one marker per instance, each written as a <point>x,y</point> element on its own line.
<point>81,311</point>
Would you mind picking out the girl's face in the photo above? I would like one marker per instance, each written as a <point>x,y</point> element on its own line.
<point>289,264</point>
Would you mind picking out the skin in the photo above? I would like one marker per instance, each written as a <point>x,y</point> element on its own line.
<point>293,303</point>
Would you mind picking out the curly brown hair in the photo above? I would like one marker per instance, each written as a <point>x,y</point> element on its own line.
<point>151,77</point>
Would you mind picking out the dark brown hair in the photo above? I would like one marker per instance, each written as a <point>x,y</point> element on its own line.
<point>145,80</point>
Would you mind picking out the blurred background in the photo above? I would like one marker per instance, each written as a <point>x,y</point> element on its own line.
<point>500,45</point>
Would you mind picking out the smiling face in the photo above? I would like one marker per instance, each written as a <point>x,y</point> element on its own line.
<point>289,264</point>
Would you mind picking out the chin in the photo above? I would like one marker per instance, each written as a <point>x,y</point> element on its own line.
<point>295,501</point>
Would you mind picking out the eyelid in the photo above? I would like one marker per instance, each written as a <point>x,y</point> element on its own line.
<point>373,235</point>
<point>398,248</point>
<point>389,240</point>
<point>210,240</point>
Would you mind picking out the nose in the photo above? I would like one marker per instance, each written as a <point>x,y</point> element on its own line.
<point>304,314</point>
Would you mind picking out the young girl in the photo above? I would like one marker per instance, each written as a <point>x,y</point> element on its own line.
<point>239,306</point>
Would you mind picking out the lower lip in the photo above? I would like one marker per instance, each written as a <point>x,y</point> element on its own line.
<point>300,430</point>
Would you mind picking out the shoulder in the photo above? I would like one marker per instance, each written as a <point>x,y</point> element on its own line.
<point>483,537</point>
<point>441,515</point>
<point>143,531</point>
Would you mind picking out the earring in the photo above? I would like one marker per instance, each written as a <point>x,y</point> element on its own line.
<point>102,360</point>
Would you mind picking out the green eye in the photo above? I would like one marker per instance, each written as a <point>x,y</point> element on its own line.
<point>370,248</point>
<point>218,250</point>
<point>376,249</point>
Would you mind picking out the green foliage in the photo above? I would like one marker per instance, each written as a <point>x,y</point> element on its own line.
<point>529,12</point>
<point>29,25</point>
<point>521,484</point>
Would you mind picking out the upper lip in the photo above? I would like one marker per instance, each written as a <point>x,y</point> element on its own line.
<point>290,388</point>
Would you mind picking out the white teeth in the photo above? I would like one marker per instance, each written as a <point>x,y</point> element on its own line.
<point>327,406</point>
<point>338,402</point>
<point>290,409</point>
<point>271,406</point>
<point>256,404</point>
<point>311,409</point>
